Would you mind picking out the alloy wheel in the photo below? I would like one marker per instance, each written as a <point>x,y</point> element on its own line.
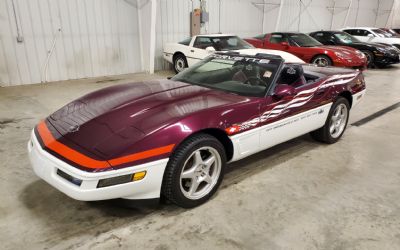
<point>338,120</point>
<point>200,173</point>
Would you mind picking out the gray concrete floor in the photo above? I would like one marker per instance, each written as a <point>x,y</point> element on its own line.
<point>298,195</point>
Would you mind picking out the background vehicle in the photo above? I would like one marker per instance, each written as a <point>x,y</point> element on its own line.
<point>310,50</point>
<point>174,137</point>
<point>192,50</point>
<point>391,32</point>
<point>375,35</point>
<point>377,54</point>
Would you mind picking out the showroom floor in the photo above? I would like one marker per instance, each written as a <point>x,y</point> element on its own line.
<point>301,194</point>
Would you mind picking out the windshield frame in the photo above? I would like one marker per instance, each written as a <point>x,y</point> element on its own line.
<point>266,92</point>
<point>243,44</point>
<point>352,38</point>
<point>381,33</point>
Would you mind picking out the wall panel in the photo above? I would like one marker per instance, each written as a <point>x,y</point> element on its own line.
<point>75,38</point>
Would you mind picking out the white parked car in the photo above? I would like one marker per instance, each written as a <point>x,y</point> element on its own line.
<point>373,35</point>
<point>191,50</point>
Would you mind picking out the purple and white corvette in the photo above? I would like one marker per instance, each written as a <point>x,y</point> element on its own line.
<point>173,138</point>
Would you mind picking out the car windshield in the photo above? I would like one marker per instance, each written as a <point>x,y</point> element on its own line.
<point>225,43</point>
<point>382,33</point>
<point>304,40</point>
<point>242,75</point>
<point>346,38</point>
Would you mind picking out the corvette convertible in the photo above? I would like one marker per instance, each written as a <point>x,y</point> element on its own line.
<point>173,138</point>
<point>310,50</point>
<point>194,49</point>
<point>377,54</point>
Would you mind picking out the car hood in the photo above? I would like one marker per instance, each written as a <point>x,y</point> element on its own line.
<point>376,45</point>
<point>126,113</point>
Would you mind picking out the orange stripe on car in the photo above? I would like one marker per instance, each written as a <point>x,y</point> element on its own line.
<point>51,143</point>
<point>141,155</point>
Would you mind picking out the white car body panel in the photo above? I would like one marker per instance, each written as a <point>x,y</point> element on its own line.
<point>261,138</point>
<point>376,38</point>
<point>45,166</point>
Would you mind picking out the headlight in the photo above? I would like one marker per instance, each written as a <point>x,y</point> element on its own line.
<point>360,54</point>
<point>382,50</point>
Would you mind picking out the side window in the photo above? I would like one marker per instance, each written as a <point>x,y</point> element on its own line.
<point>322,37</point>
<point>352,32</point>
<point>366,33</point>
<point>260,37</point>
<point>361,32</point>
<point>277,38</point>
<point>202,42</point>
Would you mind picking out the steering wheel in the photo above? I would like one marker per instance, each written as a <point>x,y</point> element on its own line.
<point>252,80</point>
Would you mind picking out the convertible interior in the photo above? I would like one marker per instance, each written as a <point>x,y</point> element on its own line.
<point>250,78</point>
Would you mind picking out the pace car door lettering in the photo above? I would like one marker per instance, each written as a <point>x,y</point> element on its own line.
<point>260,133</point>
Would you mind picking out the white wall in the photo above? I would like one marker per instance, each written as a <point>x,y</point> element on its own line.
<point>394,19</point>
<point>96,38</point>
<point>109,37</point>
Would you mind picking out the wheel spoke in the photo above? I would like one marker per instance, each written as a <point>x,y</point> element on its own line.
<point>208,178</point>
<point>209,161</point>
<point>197,158</point>
<point>332,128</point>
<point>194,185</point>
<point>189,174</point>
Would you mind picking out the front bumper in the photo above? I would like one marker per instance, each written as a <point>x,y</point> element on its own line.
<point>387,58</point>
<point>168,57</point>
<point>357,63</point>
<point>48,167</point>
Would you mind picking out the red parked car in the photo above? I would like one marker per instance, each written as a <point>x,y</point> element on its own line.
<point>310,50</point>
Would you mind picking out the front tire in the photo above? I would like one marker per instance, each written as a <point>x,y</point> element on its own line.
<point>180,63</point>
<point>335,124</point>
<point>370,57</point>
<point>322,61</point>
<point>194,171</point>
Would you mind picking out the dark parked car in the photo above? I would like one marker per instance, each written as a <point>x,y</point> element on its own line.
<point>377,54</point>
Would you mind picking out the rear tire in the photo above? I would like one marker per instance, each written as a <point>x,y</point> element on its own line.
<point>335,124</point>
<point>194,171</point>
<point>322,61</point>
<point>180,63</point>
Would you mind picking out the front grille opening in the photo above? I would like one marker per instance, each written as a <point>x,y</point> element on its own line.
<point>69,178</point>
<point>115,180</point>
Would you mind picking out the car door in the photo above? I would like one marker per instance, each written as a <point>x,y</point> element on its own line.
<point>302,111</point>
<point>197,50</point>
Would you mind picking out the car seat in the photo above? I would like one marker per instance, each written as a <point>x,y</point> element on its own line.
<point>292,75</point>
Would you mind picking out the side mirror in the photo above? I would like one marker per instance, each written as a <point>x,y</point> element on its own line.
<point>284,44</point>
<point>210,49</point>
<point>370,35</point>
<point>283,90</point>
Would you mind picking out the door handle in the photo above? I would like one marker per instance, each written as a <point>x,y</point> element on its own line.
<point>191,50</point>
